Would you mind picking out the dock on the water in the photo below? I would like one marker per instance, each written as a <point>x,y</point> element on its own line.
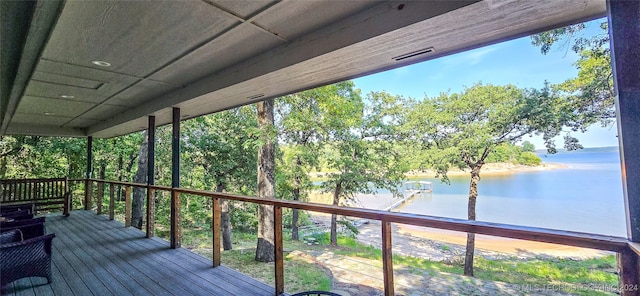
<point>409,190</point>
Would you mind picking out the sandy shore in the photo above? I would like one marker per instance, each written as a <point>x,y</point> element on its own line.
<point>515,247</point>
<point>407,237</point>
<point>489,169</point>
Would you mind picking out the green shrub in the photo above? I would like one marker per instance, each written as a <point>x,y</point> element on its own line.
<point>529,158</point>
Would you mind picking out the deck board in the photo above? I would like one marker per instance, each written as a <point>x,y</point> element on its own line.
<point>95,256</point>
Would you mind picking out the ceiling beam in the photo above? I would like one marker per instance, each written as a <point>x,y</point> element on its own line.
<point>44,130</point>
<point>40,18</point>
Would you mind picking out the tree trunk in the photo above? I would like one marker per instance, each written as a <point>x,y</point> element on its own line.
<point>102,174</point>
<point>3,167</point>
<point>296,196</point>
<point>139,195</point>
<point>225,221</point>
<point>265,250</point>
<point>334,217</point>
<point>471,215</point>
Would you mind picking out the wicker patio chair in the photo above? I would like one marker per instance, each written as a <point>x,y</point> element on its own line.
<point>18,215</point>
<point>35,229</point>
<point>17,207</point>
<point>24,258</point>
<point>14,223</point>
<point>316,293</point>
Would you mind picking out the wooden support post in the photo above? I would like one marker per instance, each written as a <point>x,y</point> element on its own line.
<point>87,183</point>
<point>67,196</point>
<point>100,197</point>
<point>67,204</point>
<point>127,206</point>
<point>151,193</point>
<point>628,266</point>
<point>387,259</point>
<point>112,201</point>
<point>88,187</point>
<point>176,235</point>
<point>624,33</point>
<point>215,227</point>
<point>279,258</point>
<point>175,181</point>
<point>151,205</point>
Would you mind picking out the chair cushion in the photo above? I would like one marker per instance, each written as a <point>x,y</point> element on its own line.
<point>10,237</point>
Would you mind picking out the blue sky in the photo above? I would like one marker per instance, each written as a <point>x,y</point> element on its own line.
<point>514,62</point>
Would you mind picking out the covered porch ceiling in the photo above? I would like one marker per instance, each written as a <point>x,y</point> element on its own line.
<point>205,56</point>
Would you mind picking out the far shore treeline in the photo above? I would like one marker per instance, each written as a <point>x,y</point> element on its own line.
<point>355,139</point>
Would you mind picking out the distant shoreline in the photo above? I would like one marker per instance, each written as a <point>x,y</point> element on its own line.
<point>499,168</point>
<point>490,169</point>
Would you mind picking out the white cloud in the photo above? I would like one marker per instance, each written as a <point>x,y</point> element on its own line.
<point>472,57</point>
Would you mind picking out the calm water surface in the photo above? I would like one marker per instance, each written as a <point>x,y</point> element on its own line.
<point>585,196</point>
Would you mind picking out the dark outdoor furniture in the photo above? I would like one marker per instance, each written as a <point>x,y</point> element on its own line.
<point>42,195</point>
<point>8,209</point>
<point>18,215</point>
<point>316,293</point>
<point>24,258</point>
<point>28,230</point>
<point>15,223</point>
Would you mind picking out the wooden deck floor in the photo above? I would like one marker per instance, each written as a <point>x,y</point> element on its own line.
<point>95,256</point>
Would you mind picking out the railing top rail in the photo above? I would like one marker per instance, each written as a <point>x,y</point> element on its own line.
<point>571,238</point>
<point>32,180</point>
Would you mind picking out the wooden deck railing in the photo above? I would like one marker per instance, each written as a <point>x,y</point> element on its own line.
<point>45,194</point>
<point>628,253</point>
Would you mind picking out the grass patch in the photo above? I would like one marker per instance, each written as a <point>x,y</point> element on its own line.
<point>298,276</point>
<point>562,273</point>
<point>559,272</point>
<point>301,275</point>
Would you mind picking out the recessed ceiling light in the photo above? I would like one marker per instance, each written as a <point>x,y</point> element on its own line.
<point>67,96</point>
<point>101,63</point>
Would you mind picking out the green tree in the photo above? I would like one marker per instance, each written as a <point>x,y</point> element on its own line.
<point>302,119</point>
<point>591,93</point>
<point>461,130</point>
<point>362,132</point>
<point>221,145</point>
<point>528,147</point>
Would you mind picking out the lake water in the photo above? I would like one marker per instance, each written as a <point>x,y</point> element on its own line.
<point>585,196</point>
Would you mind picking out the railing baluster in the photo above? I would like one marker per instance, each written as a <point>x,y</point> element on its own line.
<point>628,266</point>
<point>112,201</point>
<point>29,184</point>
<point>127,206</point>
<point>19,191</point>
<point>387,259</point>
<point>100,197</point>
<point>87,194</point>
<point>215,227</point>
<point>279,258</point>
<point>151,206</point>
